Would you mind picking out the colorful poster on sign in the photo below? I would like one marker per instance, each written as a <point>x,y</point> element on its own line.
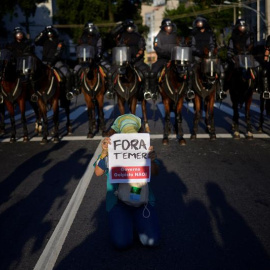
<point>128,158</point>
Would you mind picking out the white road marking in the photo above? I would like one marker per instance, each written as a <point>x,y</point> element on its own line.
<point>153,136</point>
<point>51,252</point>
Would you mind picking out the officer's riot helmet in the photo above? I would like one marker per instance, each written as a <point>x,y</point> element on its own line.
<point>168,26</point>
<point>18,33</point>
<point>90,28</point>
<point>130,26</point>
<point>200,23</point>
<point>241,25</point>
<point>51,31</point>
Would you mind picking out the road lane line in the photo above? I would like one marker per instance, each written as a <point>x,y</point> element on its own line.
<point>153,136</point>
<point>51,252</point>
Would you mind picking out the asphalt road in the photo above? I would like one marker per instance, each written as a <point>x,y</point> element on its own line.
<point>212,200</point>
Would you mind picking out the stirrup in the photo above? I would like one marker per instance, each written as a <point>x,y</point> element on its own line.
<point>34,97</point>
<point>266,95</point>
<point>147,95</point>
<point>109,95</point>
<point>1,99</point>
<point>76,91</point>
<point>69,95</point>
<point>222,95</point>
<point>190,94</point>
<point>154,96</point>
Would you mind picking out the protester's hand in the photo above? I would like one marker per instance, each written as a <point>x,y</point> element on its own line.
<point>104,146</point>
<point>152,154</point>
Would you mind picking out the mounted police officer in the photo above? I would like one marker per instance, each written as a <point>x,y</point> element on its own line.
<point>92,37</point>
<point>241,41</point>
<point>202,38</point>
<point>21,45</point>
<point>52,52</point>
<point>126,34</point>
<point>165,40</point>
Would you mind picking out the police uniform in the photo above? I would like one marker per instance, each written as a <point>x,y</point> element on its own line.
<point>163,44</point>
<point>91,36</point>
<point>51,55</point>
<point>136,43</point>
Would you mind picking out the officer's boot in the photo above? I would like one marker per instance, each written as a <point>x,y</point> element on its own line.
<point>190,92</point>
<point>68,88</point>
<point>76,83</point>
<point>34,96</point>
<point>110,92</point>
<point>146,89</point>
<point>153,86</point>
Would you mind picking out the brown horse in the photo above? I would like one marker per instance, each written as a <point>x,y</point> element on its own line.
<point>173,87</point>
<point>47,84</point>
<point>127,83</point>
<point>205,83</point>
<point>92,84</point>
<point>14,89</point>
<point>241,86</point>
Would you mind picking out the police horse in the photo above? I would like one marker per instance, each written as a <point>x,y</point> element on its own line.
<point>92,85</point>
<point>46,83</point>
<point>16,90</point>
<point>242,81</point>
<point>127,83</point>
<point>173,84</point>
<point>205,83</point>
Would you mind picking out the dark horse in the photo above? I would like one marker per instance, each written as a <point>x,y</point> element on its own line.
<point>173,87</point>
<point>127,83</point>
<point>47,85</point>
<point>205,83</point>
<point>241,83</point>
<point>92,84</point>
<point>14,89</point>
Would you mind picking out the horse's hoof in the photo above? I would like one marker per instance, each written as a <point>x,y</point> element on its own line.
<point>165,141</point>
<point>25,139</point>
<point>213,137</point>
<point>236,135</point>
<point>43,141</point>
<point>147,128</point>
<point>182,142</point>
<point>90,135</point>
<point>12,140</point>
<point>260,129</point>
<point>56,140</point>
<point>249,135</point>
<point>193,137</point>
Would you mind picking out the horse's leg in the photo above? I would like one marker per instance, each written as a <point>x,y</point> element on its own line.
<point>43,112</point>
<point>10,109</point>
<point>197,116</point>
<point>165,140</point>
<point>100,101</point>
<point>144,112</point>
<point>261,121</point>
<point>249,134</point>
<point>68,123</point>
<point>178,124</point>
<point>210,108</point>
<point>38,124</point>
<point>2,119</point>
<point>21,103</point>
<point>121,105</point>
<point>55,108</point>
<point>235,124</point>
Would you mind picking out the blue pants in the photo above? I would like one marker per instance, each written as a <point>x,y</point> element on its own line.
<point>124,219</point>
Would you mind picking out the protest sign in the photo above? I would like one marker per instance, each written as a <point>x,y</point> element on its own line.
<point>128,158</point>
